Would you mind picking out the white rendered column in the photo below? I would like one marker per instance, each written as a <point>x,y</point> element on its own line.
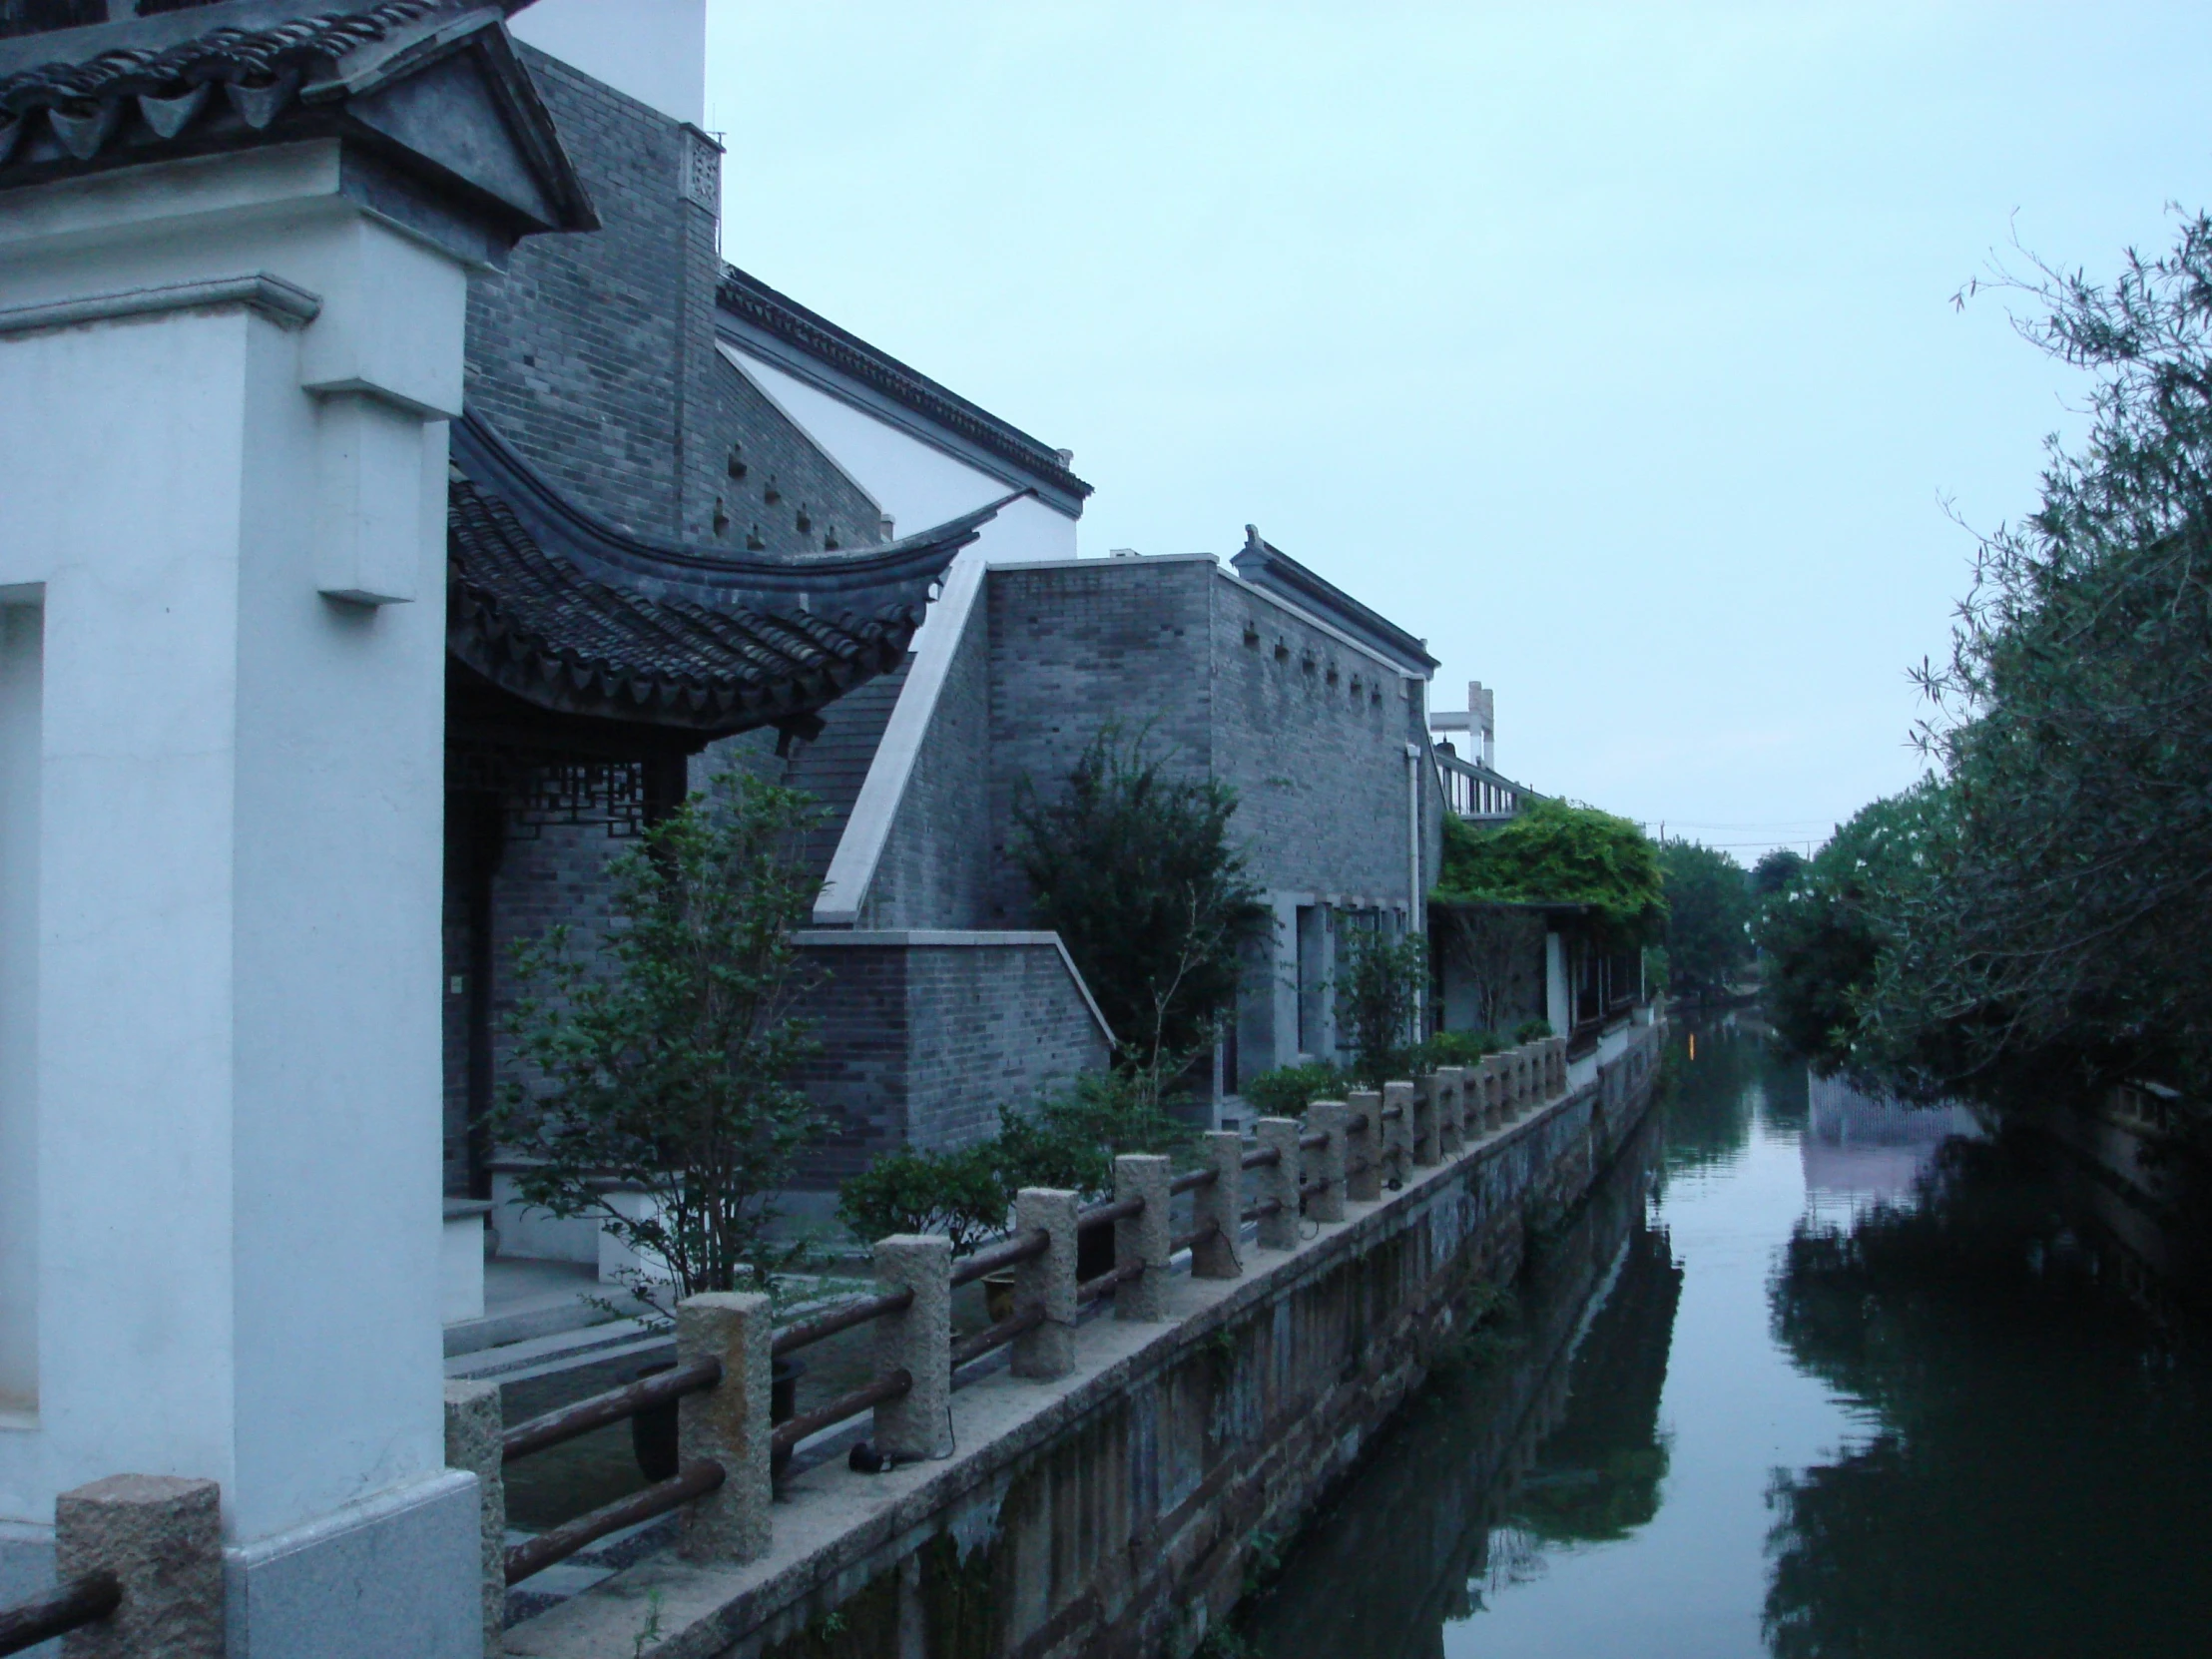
<point>238,870</point>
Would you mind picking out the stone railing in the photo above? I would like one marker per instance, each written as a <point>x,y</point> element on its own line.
<point>137,1570</point>
<point>730,1448</point>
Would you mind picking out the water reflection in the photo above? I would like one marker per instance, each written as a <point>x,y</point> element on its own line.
<point>2037,1483</point>
<point>1815,1377</point>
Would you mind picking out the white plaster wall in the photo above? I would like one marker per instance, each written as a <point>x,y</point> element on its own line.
<point>653,50</point>
<point>237,1066</point>
<point>20,675</point>
<point>918,484</point>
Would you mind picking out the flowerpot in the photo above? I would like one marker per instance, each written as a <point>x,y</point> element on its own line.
<point>652,1431</point>
<point>782,1390</point>
<point>1094,1251</point>
<point>999,1297</point>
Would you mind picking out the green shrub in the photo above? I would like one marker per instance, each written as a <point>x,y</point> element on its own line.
<point>959,1194</point>
<point>1460,1048</point>
<point>1069,1141</point>
<point>1532,1031</point>
<point>1287,1091</point>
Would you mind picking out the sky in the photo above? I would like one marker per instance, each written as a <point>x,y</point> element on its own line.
<point>1610,348</point>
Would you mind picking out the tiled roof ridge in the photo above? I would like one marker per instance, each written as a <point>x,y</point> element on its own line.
<point>258,69</point>
<point>734,667</point>
<point>482,452</point>
<point>572,615</point>
<point>749,298</point>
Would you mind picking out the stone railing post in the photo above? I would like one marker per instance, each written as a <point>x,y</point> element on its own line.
<point>1398,1129</point>
<point>1326,1201</point>
<point>1488,1086</point>
<point>726,1425</point>
<point>473,1424</point>
<point>1046,1282</point>
<point>1364,1146</point>
<point>919,1341</point>
<point>1558,1065</point>
<point>1278,1181</point>
<point>1142,1239</point>
<point>1525,1079</point>
<point>1218,1205</point>
<point>1427,1134</point>
<point>1451,1109</point>
<point>163,1540</point>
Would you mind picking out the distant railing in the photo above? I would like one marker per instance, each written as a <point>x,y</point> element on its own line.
<point>1301,1169</point>
<point>1474,790</point>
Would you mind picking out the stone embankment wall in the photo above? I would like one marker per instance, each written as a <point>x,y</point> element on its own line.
<point>1122,1509</point>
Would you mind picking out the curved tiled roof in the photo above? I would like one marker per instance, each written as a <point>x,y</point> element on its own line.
<point>572,615</point>
<point>168,86</point>
<point>239,72</point>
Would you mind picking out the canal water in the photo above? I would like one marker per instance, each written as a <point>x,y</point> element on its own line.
<point>1809,1376</point>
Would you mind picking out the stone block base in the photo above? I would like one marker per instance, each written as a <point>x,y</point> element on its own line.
<point>397,1574</point>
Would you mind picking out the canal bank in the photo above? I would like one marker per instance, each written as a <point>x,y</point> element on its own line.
<point>1123,1508</point>
<point>1839,1401</point>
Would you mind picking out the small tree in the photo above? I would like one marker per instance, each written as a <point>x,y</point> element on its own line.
<point>657,1065</point>
<point>1136,872</point>
<point>1382,984</point>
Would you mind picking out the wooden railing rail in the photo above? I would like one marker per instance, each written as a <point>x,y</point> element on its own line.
<point>534,1555</point>
<point>864,1399</point>
<point>794,1338</point>
<point>615,1405</point>
<point>56,1613</point>
<point>999,1258</point>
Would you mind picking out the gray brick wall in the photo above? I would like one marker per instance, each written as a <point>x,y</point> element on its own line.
<point>595,355</point>
<point>924,1045</point>
<point>1075,647</point>
<point>936,862</point>
<point>1227,683</point>
<point>745,432</point>
<point>1311,736</point>
<point>573,351</point>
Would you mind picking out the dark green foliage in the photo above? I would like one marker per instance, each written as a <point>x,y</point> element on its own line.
<point>1287,1091</point>
<point>1136,872</point>
<point>657,1064</point>
<point>1068,1141</point>
<point>1562,855</point>
<point>959,1194</point>
<point>1073,1136</point>
<point>1708,916</point>
<point>1534,1030</point>
<point>1382,982</point>
<point>1826,931</point>
<point>1775,870</point>
<point>2042,931</point>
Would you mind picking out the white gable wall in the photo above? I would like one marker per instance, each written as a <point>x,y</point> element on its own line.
<point>918,483</point>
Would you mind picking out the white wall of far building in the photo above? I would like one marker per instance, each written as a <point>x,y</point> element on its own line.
<point>653,50</point>
<point>20,678</point>
<point>914,481</point>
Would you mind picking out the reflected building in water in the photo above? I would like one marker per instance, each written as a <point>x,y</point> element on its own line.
<point>1860,1148</point>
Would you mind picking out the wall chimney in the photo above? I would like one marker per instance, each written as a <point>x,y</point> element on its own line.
<point>653,50</point>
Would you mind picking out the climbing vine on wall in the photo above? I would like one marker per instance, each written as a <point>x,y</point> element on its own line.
<point>1555,854</point>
